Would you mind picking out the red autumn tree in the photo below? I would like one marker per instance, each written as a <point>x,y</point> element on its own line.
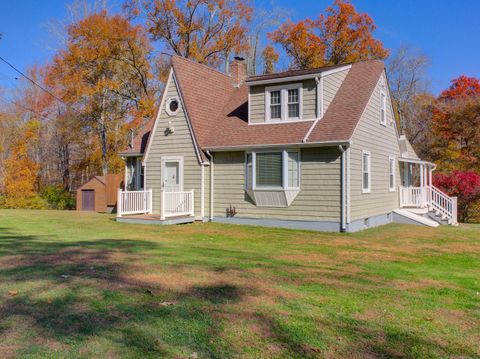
<point>455,125</point>
<point>340,36</point>
<point>463,184</point>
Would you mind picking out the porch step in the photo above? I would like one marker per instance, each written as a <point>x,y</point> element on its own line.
<point>408,217</point>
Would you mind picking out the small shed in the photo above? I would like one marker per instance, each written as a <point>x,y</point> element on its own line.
<point>99,194</point>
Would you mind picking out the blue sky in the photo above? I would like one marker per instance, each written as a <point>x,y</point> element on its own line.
<point>448,32</point>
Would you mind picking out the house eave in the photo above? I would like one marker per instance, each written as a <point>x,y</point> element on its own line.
<point>276,145</point>
<point>296,77</point>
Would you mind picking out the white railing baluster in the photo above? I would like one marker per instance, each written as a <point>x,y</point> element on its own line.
<point>134,202</point>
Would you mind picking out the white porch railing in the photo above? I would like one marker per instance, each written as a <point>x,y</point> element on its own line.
<point>134,202</point>
<point>413,197</point>
<point>432,198</point>
<point>442,204</point>
<point>174,204</point>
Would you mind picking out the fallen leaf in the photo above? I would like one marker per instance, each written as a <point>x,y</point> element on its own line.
<point>166,304</point>
<point>428,319</point>
<point>13,293</point>
<point>49,300</point>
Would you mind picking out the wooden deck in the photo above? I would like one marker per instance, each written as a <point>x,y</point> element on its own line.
<point>155,219</point>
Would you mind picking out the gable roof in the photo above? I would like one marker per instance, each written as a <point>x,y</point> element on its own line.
<point>218,111</point>
<point>140,141</point>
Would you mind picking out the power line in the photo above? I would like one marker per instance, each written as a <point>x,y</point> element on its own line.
<point>34,82</point>
<point>25,108</point>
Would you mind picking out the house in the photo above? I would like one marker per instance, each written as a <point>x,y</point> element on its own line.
<point>311,149</point>
<point>99,194</point>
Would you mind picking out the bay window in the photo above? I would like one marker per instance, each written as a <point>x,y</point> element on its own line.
<point>272,170</point>
<point>283,103</point>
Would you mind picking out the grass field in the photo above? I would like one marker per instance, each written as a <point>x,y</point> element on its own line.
<point>81,285</point>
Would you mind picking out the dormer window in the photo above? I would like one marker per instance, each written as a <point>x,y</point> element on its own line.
<point>283,103</point>
<point>275,105</point>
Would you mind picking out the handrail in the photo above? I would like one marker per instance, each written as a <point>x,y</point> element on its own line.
<point>134,202</point>
<point>431,197</point>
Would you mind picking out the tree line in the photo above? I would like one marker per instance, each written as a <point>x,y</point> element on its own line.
<point>69,118</point>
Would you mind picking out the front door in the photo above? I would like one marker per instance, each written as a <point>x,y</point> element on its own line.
<point>172,176</point>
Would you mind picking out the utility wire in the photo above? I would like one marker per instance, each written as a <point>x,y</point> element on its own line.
<point>25,108</point>
<point>39,86</point>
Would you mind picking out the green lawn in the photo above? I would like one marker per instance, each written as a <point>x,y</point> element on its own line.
<point>81,285</point>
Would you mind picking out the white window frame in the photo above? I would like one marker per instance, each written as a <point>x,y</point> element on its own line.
<point>139,183</point>
<point>369,171</point>
<point>390,169</point>
<point>383,106</point>
<point>285,185</point>
<point>284,102</point>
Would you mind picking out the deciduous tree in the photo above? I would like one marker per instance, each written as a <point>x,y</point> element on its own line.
<point>207,31</point>
<point>463,184</point>
<point>105,76</point>
<point>270,58</point>
<point>340,36</point>
<point>455,125</point>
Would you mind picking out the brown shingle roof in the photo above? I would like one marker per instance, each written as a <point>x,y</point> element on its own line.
<point>140,141</point>
<point>291,73</point>
<point>218,111</point>
<point>348,105</point>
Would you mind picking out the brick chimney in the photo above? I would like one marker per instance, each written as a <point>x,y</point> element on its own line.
<point>238,71</point>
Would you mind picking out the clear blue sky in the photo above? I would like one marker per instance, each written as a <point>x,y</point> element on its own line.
<point>447,31</point>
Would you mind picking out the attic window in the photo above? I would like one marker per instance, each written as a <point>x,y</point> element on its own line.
<point>172,106</point>
<point>283,103</point>
<point>383,108</point>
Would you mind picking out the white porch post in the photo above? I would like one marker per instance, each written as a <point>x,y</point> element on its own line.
<point>119,203</point>
<point>162,205</point>
<point>421,176</point>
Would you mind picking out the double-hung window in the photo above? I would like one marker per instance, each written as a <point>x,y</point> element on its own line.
<point>383,108</point>
<point>391,173</point>
<point>283,103</point>
<point>293,103</point>
<point>272,170</point>
<point>366,172</point>
<point>275,105</point>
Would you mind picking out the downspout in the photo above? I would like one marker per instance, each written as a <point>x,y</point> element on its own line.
<point>343,226</point>
<point>211,184</point>
<point>202,192</point>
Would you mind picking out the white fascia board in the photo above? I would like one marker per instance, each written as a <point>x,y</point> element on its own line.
<point>155,125</point>
<point>278,145</point>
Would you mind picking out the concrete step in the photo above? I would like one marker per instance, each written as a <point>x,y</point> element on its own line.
<point>402,215</point>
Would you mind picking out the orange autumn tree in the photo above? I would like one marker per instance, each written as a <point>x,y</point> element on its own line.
<point>270,58</point>
<point>206,31</point>
<point>340,36</point>
<point>104,75</point>
<point>455,126</point>
<point>21,170</point>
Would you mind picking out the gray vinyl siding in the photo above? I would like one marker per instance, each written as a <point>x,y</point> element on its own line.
<point>331,84</point>
<point>180,143</point>
<point>257,104</point>
<point>319,197</point>
<point>309,99</point>
<point>381,141</point>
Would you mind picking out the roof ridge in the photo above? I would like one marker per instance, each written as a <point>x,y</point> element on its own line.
<point>199,63</point>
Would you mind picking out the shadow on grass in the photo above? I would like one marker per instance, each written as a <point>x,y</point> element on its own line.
<point>71,291</point>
